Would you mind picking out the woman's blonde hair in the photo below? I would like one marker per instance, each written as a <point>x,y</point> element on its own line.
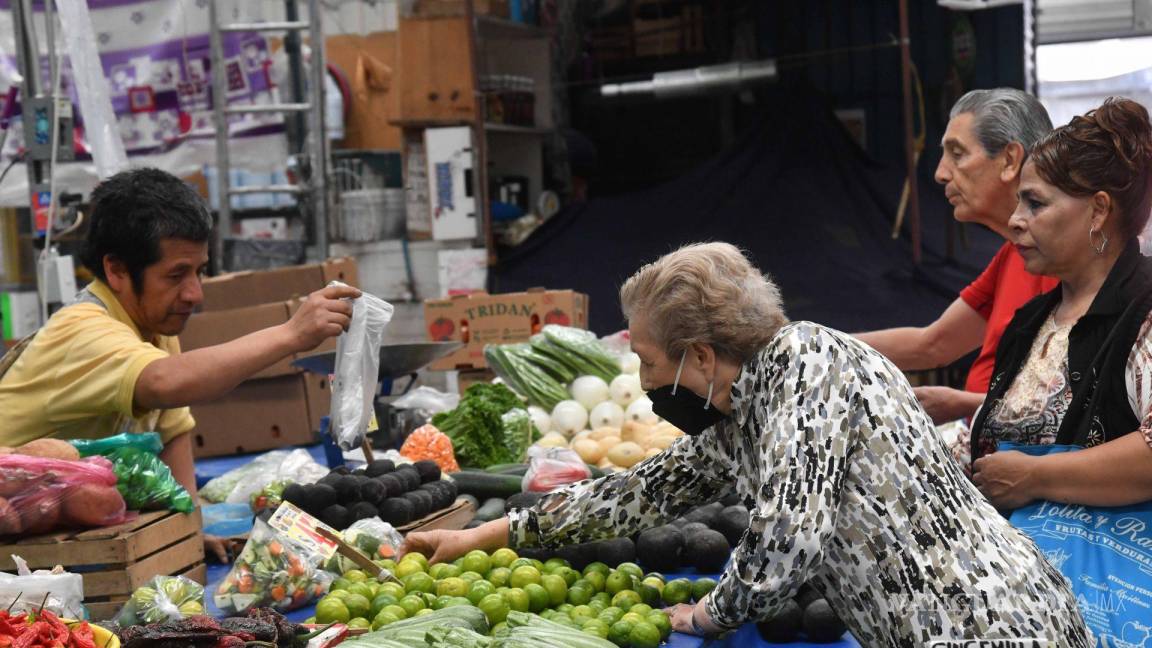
<point>706,293</point>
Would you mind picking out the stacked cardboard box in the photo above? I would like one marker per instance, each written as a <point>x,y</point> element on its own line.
<point>479,319</point>
<point>280,405</point>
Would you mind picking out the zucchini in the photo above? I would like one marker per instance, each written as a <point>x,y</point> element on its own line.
<point>459,616</point>
<point>483,485</point>
<point>508,469</point>
<point>493,508</point>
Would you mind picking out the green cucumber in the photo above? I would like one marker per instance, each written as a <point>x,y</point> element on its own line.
<point>508,469</point>
<point>492,509</point>
<point>485,485</point>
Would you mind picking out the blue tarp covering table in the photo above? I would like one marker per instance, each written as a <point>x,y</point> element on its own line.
<point>212,467</point>
<point>745,637</point>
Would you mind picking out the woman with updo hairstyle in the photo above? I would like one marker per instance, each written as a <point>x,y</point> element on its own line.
<point>1075,365</point>
<point>848,486</point>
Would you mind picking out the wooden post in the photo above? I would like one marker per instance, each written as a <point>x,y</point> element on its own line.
<point>909,137</point>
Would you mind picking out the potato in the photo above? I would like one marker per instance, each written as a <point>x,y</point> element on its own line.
<point>635,432</point>
<point>49,449</point>
<point>16,481</point>
<point>40,512</point>
<point>626,454</point>
<point>93,505</point>
<point>588,450</point>
<point>661,442</point>
<point>601,433</point>
<point>6,450</point>
<point>607,443</point>
<point>9,519</point>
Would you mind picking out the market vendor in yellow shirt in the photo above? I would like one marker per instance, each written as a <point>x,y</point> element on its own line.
<point>111,362</point>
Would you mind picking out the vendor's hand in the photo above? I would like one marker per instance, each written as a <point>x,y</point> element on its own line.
<point>439,546</point>
<point>221,548</point>
<point>324,314</point>
<point>680,616</point>
<point>945,404</point>
<point>1007,478</point>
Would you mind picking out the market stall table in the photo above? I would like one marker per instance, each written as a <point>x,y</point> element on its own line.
<point>745,637</point>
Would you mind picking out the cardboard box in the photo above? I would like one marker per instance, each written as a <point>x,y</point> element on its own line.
<point>466,379</point>
<point>481,319</point>
<point>255,287</point>
<point>258,415</point>
<point>449,8</point>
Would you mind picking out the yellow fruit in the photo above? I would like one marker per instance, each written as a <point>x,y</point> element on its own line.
<point>635,431</point>
<point>588,450</point>
<point>603,433</point>
<point>662,442</point>
<point>607,443</point>
<point>626,454</point>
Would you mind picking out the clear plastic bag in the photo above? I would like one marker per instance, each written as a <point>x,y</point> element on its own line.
<point>357,370</point>
<point>551,468</point>
<point>297,466</point>
<point>374,537</point>
<point>164,598</point>
<point>26,589</point>
<point>145,482</point>
<point>272,571</point>
<point>427,399</point>
<point>38,495</point>
<point>219,488</point>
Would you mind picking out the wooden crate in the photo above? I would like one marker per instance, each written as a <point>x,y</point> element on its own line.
<point>453,517</point>
<point>116,560</point>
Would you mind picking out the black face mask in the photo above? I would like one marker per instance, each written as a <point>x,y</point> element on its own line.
<point>683,408</point>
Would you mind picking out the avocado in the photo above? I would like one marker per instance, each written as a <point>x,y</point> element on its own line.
<point>806,595</point>
<point>473,524</point>
<point>579,555</point>
<point>732,522</point>
<point>321,495</point>
<point>397,511</point>
<point>341,470</point>
<point>731,499</point>
<point>692,528</point>
<point>537,553</point>
<point>821,623</point>
<point>393,485</point>
<point>452,488</point>
<point>379,467</point>
<point>335,516</point>
<point>362,511</point>
<point>421,502</point>
<point>410,477</point>
<point>784,625</point>
<point>706,514</point>
<point>428,470</point>
<point>708,550</point>
<point>348,490</point>
<point>440,495</point>
<point>679,522</point>
<point>659,549</point>
<point>296,494</point>
<point>330,479</point>
<point>615,551</point>
<point>373,492</point>
<point>360,472</point>
<point>522,500</point>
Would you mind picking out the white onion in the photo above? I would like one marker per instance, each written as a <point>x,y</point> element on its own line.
<point>540,419</point>
<point>641,411</point>
<point>630,363</point>
<point>624,389</point>
<point>589,391</point>
<point>606,414</point>
<point>569,417</point>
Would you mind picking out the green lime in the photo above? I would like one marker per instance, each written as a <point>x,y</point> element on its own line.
<point>407,568</point>
<point>598,566</point>
<point>654,581</point>
<point>598,605</point>
<point>568,574</point>
<point>618,581</point>
<point>395,589</point>
<point>471,577</point>
<point>494,607</point>
<point>331,610</point>
<point>565,608</point>
<point>582,610</point>
<point>412,604</point>
<point>521,562</point>
<point>596,628</point>
<point>363,589</point>
<point>397,610</point>
<point>454,586</point>
<point>626,599</point>
<point>450,571</point>
<point>310,620</point>
<point>355,576</point>
<point>604,598</point>
<point>597,580</point>
<point>384,618</point>
<point>503,557</point>
<point>499,576</point>
<point>424,612</point>
<point>632,617</point>
<point>360,623</point>
<point>644,635</point>
<point>418,582</point>
<point>579,595</point>
<point>610,615</point>
<point>339,584</point>
<point>500,629</point>
<point>677,591</point>
<point>701,587</point>
<point>479,590</point>
<point>386,563</point>
<point>641,608</point>
<point>477,561</point>
<point>518,599</point>
<point>357,605</point>
<point>661,621</point>
<point>441,602</point>
<point>437,571</point>
<point>557,588</point>
<point>633,569</point>
<point>524,575</point>
<point>579,620</point>
<point>538,565</point>
<point>418,557</point>
<point>538,598</point>
<point>553,564</point>
<point>455,601</point>
<point>649,594</point>
<point>620,633</point>
<point>429,598</point>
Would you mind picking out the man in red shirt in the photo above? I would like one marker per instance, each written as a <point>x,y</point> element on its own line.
<point>988,137</point>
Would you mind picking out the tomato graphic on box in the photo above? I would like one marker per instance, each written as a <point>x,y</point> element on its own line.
<point>557,316</point>
<point>441,330</point>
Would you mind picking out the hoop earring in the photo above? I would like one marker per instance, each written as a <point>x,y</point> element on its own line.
<point>1099,250</point>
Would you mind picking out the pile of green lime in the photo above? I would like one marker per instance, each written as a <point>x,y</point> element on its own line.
<point>622,605</point>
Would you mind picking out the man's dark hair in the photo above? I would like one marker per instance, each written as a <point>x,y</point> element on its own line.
<point>133,211</point>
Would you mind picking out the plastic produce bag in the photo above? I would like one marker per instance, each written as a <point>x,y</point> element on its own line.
<point>219,488</point>
<point>226,520</point>
<point>25,590</point>
<point>551,468</point>
<point>38,495</point>
<point>374,537</point>
<point>297,466</point>
<point>145,482</point>
<point>164,598</point>
<point>357,370</point>
<point>272,571</point>
<point>269,497</point>
<point>427,442</point>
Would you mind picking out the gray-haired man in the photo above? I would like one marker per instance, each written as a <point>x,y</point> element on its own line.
<point>985,144</point>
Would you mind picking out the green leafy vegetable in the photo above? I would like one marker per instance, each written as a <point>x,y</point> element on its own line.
<point>477,427</point>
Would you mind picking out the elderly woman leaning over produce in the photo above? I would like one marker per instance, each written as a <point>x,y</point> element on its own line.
<point>849,486</point>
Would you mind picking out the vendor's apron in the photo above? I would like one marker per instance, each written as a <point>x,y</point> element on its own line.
<point>85,296</point>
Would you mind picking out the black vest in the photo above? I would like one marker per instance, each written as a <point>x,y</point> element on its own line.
<point>1098,349</point>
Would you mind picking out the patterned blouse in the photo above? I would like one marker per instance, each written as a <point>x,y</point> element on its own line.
<point>1031,411</point>
<point>849,488</point>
